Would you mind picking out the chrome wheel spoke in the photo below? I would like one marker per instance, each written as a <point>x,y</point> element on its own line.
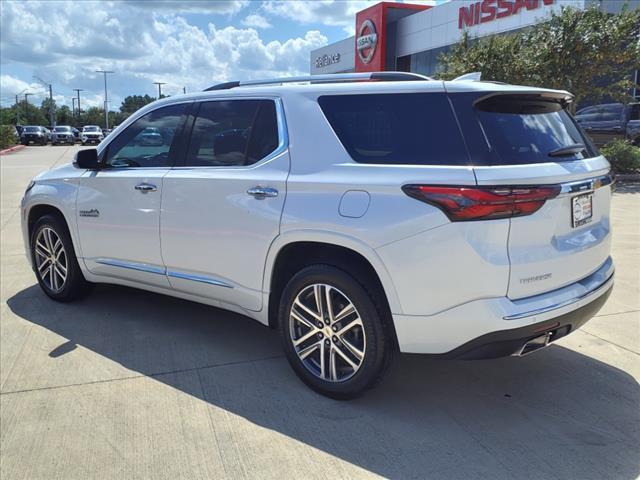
<point>356,352</point>
<point>304,338</point>
<point>354,323</point>
<point>332,364</point>
<point>345,312</point>
<point>298,303</point>
<point>305,352</point>
<point>300,318</point>
<point>346,358</point>
<point>44,265</point>
<point>331,345</point>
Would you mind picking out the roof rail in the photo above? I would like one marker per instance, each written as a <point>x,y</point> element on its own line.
<point>330,78</point>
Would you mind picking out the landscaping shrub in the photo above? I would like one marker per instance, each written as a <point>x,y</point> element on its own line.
<point>623,156</point>
<point>7,136</point>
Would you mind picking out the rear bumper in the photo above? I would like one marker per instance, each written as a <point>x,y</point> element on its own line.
<point>496,327</point>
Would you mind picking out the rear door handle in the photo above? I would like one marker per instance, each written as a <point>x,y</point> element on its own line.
<point>262,192</point>
<point>146,187</point>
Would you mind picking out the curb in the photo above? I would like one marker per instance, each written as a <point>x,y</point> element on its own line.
<point>11,150</point>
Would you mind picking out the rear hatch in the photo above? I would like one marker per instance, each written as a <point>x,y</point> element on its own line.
<point>530,140</point>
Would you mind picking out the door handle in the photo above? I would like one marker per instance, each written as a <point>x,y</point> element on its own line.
<point>262,192</point>
<point>146,187</point>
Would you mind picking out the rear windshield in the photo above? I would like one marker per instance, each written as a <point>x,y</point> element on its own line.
<point>522,129</point>
<point>400,129</point>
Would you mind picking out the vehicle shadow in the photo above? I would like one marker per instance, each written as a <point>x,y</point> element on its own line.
<point>556,414</point>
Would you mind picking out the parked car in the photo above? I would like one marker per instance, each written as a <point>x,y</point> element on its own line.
<point>76,134</point>
<point>91,134</point>
<point>606,122</point>
<point>34,134</point>
<point>150,136</point>
<point>62,134</point>
<point>106,131</point>
<point>19,129</point>
<point>414,215</point>
<point>47,133</point>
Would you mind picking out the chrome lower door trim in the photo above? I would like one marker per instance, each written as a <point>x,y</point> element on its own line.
<point>198,278</point>
<point>142,267</point>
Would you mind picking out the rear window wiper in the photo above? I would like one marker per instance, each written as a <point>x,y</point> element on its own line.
<point>568,150</point>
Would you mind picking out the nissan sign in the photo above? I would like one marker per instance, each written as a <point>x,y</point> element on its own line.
<point>490,10</point>
<point>366,41</point>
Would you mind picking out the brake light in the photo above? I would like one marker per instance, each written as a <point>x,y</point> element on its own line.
<point>483,203</point>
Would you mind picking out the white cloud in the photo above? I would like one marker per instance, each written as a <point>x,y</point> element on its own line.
<point>256,21</point>
<point>191,6</point>
<point>64,44</point>
<point>329,12</point>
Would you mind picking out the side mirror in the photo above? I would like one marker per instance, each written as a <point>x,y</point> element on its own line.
<point>87,159</point>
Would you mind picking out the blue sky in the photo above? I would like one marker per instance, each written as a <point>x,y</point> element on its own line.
<point>188,43</point>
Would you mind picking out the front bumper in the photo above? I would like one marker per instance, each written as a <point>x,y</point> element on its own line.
<point>495,327</point>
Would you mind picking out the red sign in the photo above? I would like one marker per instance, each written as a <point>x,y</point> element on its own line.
<point>371,34</point>
<point>490,10</point>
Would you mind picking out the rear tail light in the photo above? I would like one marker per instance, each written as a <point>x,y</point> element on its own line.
<point>483,203</point>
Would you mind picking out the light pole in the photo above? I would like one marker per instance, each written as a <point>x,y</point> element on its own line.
<point>106,108</point>
<point>159,88</point>
<point>73,106</point>
<point>26,106</point>
<point>78,90</point>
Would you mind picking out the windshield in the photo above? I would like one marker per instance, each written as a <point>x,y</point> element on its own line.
<point>32,129</point>
<point>62,129</point>
<point>523,129</point>
<point>91,129</point>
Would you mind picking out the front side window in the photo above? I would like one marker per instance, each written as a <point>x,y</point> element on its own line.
<point>233,133</point>
<point>396,129</point>
<point>147,141</point>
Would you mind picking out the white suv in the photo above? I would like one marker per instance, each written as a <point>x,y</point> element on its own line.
<point>463,219</point>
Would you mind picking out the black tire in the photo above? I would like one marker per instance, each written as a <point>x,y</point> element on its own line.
<point>378,352</point>
<point>75,286</point>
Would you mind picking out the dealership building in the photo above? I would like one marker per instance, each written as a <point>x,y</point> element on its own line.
<point>406,37</point>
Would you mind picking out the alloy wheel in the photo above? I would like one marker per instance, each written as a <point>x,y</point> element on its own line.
<point>327,333</point>
<point>51,259</point>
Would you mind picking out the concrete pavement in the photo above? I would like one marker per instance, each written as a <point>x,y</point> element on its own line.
<point>129,384</point>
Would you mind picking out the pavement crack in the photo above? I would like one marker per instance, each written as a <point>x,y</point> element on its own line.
<point>609,341</point>
<point>142,375</point>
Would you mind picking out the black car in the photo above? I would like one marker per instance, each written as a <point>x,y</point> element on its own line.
<point>62,134</point>
<point>608,121</point>
<point>34,134</point>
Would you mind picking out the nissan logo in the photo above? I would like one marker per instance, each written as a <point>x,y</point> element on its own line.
<point>366,41</point>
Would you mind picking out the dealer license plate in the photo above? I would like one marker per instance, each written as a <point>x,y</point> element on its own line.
<point>581,210</point>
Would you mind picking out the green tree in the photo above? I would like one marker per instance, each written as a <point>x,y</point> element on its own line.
<point>64,116</point>
<point>588,52</point>
<point>133,103</point>
<point>49,108</point>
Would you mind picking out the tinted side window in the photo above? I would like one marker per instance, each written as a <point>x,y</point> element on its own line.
<point>147,141</point>
<point>233,133</point>
<point>401,129</point>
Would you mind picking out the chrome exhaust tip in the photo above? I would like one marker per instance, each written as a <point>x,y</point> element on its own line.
<point>534,345</point>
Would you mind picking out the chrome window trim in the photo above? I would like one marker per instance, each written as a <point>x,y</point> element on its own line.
<point>283,136</point>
